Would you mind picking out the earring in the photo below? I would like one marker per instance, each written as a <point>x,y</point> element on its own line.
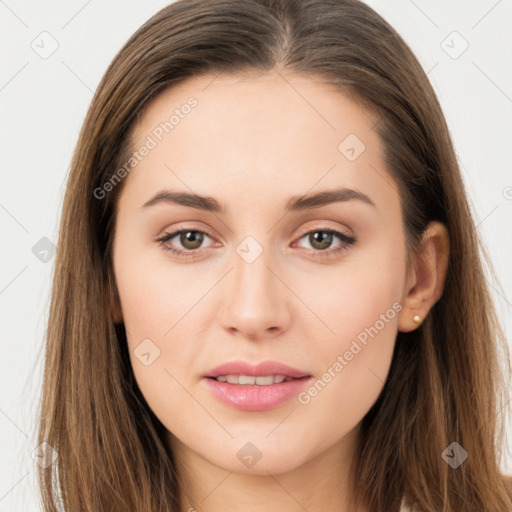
<point>417,319</point>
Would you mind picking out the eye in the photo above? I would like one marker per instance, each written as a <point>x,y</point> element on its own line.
<point>190,240</point>
<point>320,241</point>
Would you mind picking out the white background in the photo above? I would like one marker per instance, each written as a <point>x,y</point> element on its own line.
<point>43,103</point>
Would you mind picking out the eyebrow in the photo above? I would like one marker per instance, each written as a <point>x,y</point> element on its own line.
<point>295,203</point>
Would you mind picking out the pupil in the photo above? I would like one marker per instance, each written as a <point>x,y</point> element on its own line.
<point>193,238</point>
<point>321,239</point>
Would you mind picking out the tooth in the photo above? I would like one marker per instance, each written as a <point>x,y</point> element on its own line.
<point>246,379</point>
<point>265,381</point>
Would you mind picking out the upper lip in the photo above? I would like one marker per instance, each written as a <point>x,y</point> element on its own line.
<point>259,370</point>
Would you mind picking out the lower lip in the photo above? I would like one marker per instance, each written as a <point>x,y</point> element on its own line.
<point>253,397</point>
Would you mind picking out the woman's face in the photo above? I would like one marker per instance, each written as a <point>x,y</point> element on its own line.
<point>267,272</point>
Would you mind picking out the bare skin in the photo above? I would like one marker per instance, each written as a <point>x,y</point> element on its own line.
<point>252,143</point>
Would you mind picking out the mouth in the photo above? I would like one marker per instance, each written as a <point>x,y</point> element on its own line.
<point>255,388</point>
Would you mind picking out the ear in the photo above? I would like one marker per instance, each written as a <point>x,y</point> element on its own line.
<point>426,277</point>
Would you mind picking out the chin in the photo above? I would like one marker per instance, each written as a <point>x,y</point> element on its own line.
<point>259,457</point>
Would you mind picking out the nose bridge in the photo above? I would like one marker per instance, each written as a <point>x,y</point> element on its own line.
<point>254,301</point>
<point>252,275</point>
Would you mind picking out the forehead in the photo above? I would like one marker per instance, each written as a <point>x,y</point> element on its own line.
<point>259,104</point>
<point>259,133</point>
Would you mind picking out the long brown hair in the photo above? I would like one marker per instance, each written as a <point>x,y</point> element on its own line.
<point>445,384</point>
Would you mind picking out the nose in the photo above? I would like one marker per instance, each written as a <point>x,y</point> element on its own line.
<point>256,301</point>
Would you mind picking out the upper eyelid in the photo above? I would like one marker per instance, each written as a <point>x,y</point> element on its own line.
<point>321,227</point>
<point>312,229</point>
<point>175,232</point>
<point>303,232</point>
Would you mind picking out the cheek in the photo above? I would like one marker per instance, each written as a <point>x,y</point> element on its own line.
<point>158,304</point>
<point>358,304</point>
<point>154,294</point>
<point>160,338</point>
<point>352,295</point>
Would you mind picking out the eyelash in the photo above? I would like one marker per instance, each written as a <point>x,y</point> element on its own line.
<point>347,242</point>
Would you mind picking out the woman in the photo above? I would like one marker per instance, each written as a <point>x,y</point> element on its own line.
<point>268,289</point>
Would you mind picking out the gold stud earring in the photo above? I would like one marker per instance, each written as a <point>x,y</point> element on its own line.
<point>417,319</point>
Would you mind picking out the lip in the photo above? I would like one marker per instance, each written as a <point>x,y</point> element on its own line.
<point>253,397</point>
<point>259,370</point>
